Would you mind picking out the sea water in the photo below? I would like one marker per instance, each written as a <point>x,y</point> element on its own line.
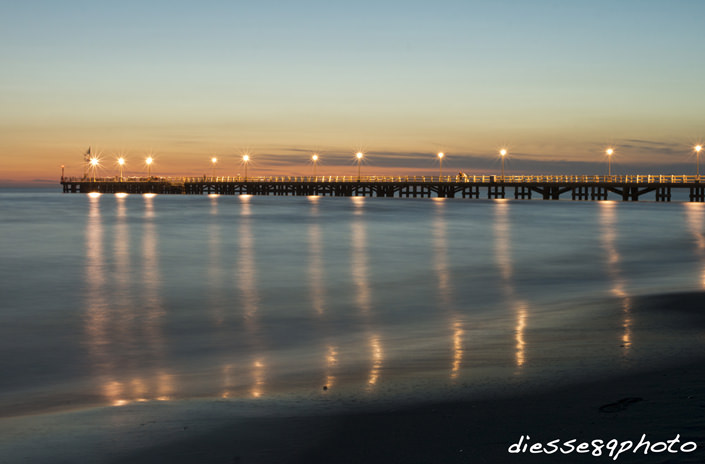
<point>110,301</point>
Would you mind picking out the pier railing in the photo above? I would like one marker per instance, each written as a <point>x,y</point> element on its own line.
<point>564,179</point>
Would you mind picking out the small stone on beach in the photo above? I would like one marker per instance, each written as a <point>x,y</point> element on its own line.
<point>620,405</point>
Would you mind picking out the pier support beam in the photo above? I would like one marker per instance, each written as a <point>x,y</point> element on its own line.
<point>412,190</point>
<point>495,191</point>
<point>697,194</point>
<point>598,193</point>
<point>551,192</point>
<point>580,193</point>
<point>522,192</point>
<point>471,191</point>
<point>385,190</point>
<point>445,191</point>
<point>663,194</point>
<point>630,193</point>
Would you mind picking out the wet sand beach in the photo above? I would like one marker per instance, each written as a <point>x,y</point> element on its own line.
<point>663,404</point>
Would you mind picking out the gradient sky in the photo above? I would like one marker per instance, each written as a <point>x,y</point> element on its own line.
<point>555,81</point>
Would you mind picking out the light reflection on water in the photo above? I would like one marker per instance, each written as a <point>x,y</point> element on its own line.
<point>377,358</point>
<point>317,285</point>
<point>315,260</point>
<point>247,280</point>
<point>123,324</point>
<point>356,294</point>
<point>358,258</point>
<point>695,215</point>
<point>445,284</point>
<point>331,364</point>
<point>97,321</point>
<point>503,252</point>
<point>608,221</point>
<point>214,271</point>
<point>359,269</point>
<point>113,326</point>
<point>153,305</point>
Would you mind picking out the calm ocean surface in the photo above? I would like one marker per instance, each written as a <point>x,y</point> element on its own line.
<point>113,301</point>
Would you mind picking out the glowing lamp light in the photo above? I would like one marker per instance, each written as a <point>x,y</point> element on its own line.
<point>149,162</point>
<point>94,165</point>
<point>213,160</point>
<point>245,159</point>
<point>121,162</point>
<point>697,149</point>
<point>609,152</point>
<point>503,152</point>
<point>315,161</point>
<point>359,163</point>
<point>441,155</point>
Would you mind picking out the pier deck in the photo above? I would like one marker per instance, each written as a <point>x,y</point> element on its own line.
<point>628,188</point>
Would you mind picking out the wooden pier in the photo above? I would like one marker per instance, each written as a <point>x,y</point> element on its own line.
<point>579,188</point>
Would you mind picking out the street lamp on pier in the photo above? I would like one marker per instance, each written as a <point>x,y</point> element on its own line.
<point>314,158</point>
<point>503,154</point>
<point>440,169</point>
<point>359,156</point>
<point>94,165</point>
<point>213,160</point>
<point>610,152</point>
<point>121,162</point>
<point>149,162</point>
<point>245,159</point>
<point>698,149</point>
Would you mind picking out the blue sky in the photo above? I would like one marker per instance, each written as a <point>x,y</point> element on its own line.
<point>554,81</point>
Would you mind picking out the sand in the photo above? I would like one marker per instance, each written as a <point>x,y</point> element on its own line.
<point>662,403</point>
